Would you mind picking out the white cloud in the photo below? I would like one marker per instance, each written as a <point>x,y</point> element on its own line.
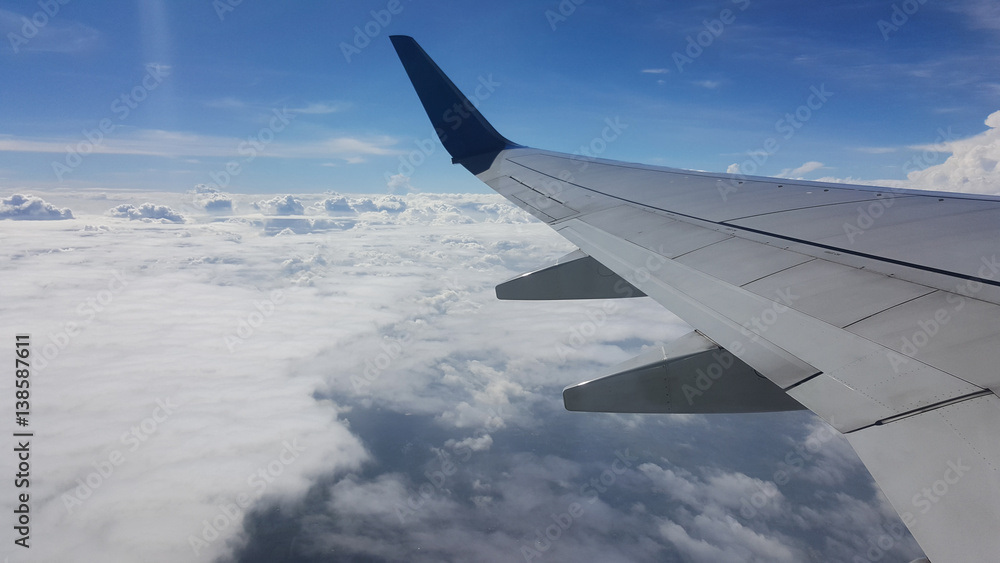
<point>157,142</point>
<point>655,70</point>
<point>953,165</point>
<point>876,150</point>
<point>384,355</point>
<point>801,170</point>
<point>320,108</point>
<point>399,183</point>
<point>972,166</point>
<point>29,207</point>
<point>710,84</point>
<point>281,205</point>
<point>146,212</point>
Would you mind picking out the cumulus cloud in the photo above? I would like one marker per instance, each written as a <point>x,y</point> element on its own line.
<point>281,205</point>
<point>806,168</point>
<point>214,201</point>
<point>339,204</point>
<point>218,203</point>
<point>950,165</point>
<point>31,208</point>
<point>148,212</point>
<point>971,167</point>
<point>399,183</point>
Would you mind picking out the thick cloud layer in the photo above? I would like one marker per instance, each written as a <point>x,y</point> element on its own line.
<point>343,381</point>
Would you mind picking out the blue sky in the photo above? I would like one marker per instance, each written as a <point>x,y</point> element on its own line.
<point>207,86</point>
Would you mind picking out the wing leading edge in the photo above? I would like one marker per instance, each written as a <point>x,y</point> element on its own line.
<point>889,335</point>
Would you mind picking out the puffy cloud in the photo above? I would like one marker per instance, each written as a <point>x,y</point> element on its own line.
<point>148,212</point>
<point>338,204</point>
<point>29,207</point>
<point>400,183</point>
<point>281,205</point>
<point>971,167</point>
<point>801,170</point>
<point>212,200</point>
<point>218,203</point>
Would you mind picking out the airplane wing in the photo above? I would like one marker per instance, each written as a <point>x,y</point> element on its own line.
<point>878,309</point>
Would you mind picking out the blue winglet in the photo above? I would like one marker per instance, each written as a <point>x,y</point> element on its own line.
<point>464,132</point>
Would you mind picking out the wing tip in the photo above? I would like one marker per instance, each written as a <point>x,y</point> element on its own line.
<point>464,132</point>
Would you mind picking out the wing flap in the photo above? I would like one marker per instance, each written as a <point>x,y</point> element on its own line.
<point>861,368</point>
<point>574,276</point>
<point>691,375</point>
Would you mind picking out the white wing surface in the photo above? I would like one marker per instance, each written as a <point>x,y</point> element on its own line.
<point>877,309</point>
